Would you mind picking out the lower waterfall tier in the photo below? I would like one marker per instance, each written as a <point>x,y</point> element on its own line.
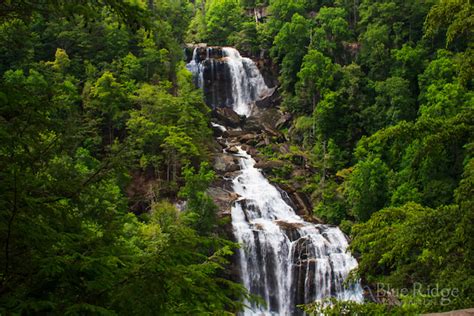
<point>284,259</point>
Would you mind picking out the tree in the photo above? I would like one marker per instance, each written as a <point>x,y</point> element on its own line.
<point>367,188</point>
<point>108,102</point>
<point>201,210</point>
<point>393,103</point>
<point>289,49</point>
<point>453,19</point>
<point>222,20</point>
<point>330,32</point>
<point>315,78</point>
<point>375,51</point>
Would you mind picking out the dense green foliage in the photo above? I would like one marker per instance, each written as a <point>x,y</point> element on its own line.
<point>382,100</point>
<point>100,126</point>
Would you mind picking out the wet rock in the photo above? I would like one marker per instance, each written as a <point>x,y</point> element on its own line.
<point>249,206</point>
<point>231,174</point>
<point>234,133</point>
<point>287,188</point>
<point>224,199</point>
<point>288,225</point>
<point>232,150</point>
<point>233,143</point>
<point>223,182</point>
<point>225,163</point>
<point>302,202</point>
<point>312,219</point>
<point>228,117</point>
<point>217,132</point>
<point>247,138</point>
<point>270,101</point>
<point>222,142</point>
<point>250,150</point>
<point>217,81</point>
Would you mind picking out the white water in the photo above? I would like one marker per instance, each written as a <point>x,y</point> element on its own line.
<point>219,127</point>
<point>248,85</point>
<point>284,259</point>
<point>196,68</point>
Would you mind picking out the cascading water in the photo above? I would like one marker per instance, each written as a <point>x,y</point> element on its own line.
<point>284,259</point>
<point>237,81</point>
<point>196,68</point>
<point>248,85</point>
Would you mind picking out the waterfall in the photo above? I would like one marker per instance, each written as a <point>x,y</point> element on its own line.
<point>196,68</point>
<point>284,259</point>
<point>228,79</point>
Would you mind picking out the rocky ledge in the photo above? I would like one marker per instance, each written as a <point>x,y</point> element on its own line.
<point>257,135</point>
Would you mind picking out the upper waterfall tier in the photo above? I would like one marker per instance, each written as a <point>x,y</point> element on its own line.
<point>284,259</point>
<point>228,79</point>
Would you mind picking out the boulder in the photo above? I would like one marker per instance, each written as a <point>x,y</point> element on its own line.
<point>271,100</point>
<point>217,132</point>
<point>223,199</point>
<point>253,124</point>
<point>228,117</point>
<point>249,150</point>
<point>232,150</point>
<point>247,138</point>
<point>234,133</point>
<point>231,174</point>
<point>225,163</point>
<point>222,142</point>
<point>288,225</point>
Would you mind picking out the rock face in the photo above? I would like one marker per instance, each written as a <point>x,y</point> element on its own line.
<point>225,163</point>
<point>228,117</point>
<point>223,199</point>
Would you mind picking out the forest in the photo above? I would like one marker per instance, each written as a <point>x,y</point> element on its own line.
<point>102,130</point>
